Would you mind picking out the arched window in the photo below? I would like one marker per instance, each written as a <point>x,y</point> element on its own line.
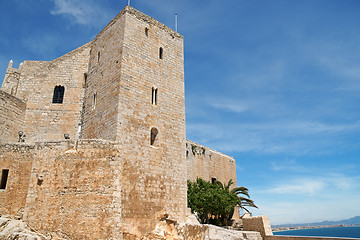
<point>146,31</point>
<point>154,96</point>
<point>58,96</point>
<point>153,134</point>
<point>161,53</point>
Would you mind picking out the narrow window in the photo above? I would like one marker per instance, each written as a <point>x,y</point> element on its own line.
<point>154,96</point>
<point>213,180</point>
<point>161,53</point>
<point>98,56</point>
<point>85,80</point>
<point>146,31</point>
<point>4,177</point>
<point>153,134</point>
<point>94,101</point>
<point>58,94</point>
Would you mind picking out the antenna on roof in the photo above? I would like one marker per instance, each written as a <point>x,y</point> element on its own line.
<point>129,2</point>
<point>175,22</point>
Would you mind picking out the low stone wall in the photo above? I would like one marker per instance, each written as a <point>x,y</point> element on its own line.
<point>258,223</point>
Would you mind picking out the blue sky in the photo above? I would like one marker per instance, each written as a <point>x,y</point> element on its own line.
<point>275,84</point>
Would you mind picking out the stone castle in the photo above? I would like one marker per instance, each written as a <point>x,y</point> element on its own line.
<point>93,143</point>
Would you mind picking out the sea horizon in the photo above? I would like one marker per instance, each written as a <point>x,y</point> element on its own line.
<point>340,231</point>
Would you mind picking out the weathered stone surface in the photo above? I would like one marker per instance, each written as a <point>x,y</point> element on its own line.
<point>12,114</point>
<point>43,119</point>
<point>11,229</point>
<point>258,223</point>
<point>79,194</point>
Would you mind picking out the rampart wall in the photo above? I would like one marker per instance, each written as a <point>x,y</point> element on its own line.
<point>45,120</point>
<point>209,164</point>
<point>12,114</point>
<point>72,188</point>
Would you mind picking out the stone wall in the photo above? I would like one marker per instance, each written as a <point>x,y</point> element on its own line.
<point>11,79</point>
<point>101,103</point>
<point>71,188</point>
<point>45,120</point>
<point>209,164</point>
<point>17,158</point>
<point>259,224</point>
<point>154,180</point>
<point>12,114</point>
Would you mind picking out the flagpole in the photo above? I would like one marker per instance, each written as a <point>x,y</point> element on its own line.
<point>176,22</point>
<point>129,2</point>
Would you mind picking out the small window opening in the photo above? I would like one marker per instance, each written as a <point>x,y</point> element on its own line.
<point>154,96</point>
<point>153,134</point>
<point>4,177</point>
<point>85,80</point>
<point>213,180</point>
<point>146,31</point>
<point>161,53</point>
<point>98,56</point>
<point>58,96</point>
<point>94,101</point>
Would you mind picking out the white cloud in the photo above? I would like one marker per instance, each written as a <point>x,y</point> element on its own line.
<point>309,199</point>
<point>230,106</point>
<point>287,136</point>
<point>301,186</point>
<point>284,211</point>
<point>286,165</point>
<point>314,185</point>
<point>82,12</point>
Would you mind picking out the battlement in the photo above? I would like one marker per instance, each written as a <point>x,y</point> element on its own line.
<point>141,16</point>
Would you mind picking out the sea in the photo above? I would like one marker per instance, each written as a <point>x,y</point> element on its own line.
<point>346,232</point>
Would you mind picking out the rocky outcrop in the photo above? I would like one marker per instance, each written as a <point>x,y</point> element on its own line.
<point>192,229</point>
<point>166,229</point>
<point>218,233</point>
<point>11,229</point>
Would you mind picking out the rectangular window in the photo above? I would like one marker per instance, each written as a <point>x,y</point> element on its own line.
<point>213,180</point>
<point>4,177</point>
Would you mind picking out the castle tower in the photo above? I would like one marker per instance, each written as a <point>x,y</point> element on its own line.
<point>135,96</point>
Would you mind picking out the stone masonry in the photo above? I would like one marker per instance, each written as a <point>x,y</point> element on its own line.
<point>105,154</point>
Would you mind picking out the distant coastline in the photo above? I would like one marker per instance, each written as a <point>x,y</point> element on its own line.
<point>281,229</point>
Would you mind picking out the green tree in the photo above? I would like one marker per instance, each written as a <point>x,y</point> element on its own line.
<point>238,193</point>
<point>215,202</point>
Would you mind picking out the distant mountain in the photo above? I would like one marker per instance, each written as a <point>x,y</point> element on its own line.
<point>350,221</point>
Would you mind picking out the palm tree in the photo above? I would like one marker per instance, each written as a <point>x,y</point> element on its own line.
<point>242,202</point>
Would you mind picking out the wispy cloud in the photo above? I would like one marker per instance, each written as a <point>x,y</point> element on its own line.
<point>91,13</point>
<point>230,106</point>
<point>309,199</point>
<point>315,185</point>
<point>300,186</point>
<point>288,136</point>
<point>286,165</point>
